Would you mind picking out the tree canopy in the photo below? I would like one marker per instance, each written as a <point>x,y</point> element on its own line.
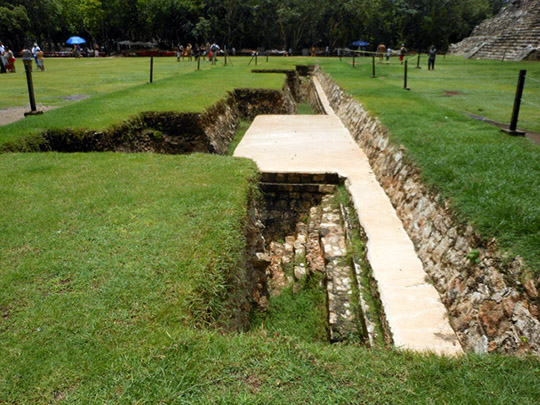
<point>245,23</point>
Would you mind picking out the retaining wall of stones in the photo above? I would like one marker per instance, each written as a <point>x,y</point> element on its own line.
<point>490,308</point>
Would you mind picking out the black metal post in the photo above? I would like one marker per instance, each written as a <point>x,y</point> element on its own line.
<point>29,82</point>
<point>373,66</point>
<point>256,55</point>
<point>199,61</point>
<point>517,103</point>
<point>151,69</point>
<point>267,56</point>
<point>354,61</point>
<point>418,62</point>
<point>225,56</point>
<point>405,76</point>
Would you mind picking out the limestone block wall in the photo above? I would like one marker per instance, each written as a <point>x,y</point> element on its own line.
<point>489,308</point>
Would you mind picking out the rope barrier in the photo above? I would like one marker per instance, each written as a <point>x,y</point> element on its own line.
<point>534,80</point>
<point>528,102</point>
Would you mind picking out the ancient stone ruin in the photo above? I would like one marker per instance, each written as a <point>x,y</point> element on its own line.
<point>513,34</point>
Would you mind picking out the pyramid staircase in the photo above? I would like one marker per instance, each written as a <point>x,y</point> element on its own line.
<point>513,35</point>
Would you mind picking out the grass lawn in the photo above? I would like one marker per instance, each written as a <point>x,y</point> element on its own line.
<point>481,87</point>
<point>186,91</point>
<point>65,77</point>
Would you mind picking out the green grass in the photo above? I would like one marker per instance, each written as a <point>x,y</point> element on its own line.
<point>241,130</point>
<point>300,314</point>
<point>187,92</point>
<point>492,180</point>
<point>305,109</point>
<point>486,88</point>
<point>91,77</point>
<point>97,250</point>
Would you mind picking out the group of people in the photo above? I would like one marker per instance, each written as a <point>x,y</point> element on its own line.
<point>7,58</point>
<point>204,50</point>
<point>382,50</point>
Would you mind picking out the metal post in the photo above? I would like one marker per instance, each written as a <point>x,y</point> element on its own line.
<point>517,103</point>
<point>151,69</point>
<point>225,58</point>
<point>266,56</point>
<point>418,62</point>
<point>373,66</point>
<point>29,82</point>
<point>256,55</point>
<point>199,61</point>
<point>354,60</point>
<point>405,76</point>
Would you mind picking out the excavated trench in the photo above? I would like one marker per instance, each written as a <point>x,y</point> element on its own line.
<point>308,233</point>
<point>311,233</point>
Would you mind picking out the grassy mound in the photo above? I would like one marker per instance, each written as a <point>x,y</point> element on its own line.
<point>188,92</point>
<point>98,250</point>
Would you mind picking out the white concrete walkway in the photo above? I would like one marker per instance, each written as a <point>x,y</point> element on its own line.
<point>321,144</point>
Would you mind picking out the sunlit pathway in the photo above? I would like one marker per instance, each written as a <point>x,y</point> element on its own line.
<point>319,144</point>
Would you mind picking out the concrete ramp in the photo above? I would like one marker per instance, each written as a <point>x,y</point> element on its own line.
<point>319,144</point>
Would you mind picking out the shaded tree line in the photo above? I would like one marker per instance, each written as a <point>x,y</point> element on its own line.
<point>281,24</point>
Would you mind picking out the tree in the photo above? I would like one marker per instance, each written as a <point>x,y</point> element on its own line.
<point>14,23</point>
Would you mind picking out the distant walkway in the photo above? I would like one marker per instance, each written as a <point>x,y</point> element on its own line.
<point>319,144</point>
<point>9,115</point>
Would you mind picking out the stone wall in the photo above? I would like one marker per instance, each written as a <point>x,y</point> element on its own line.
<point>489,307</point>
<point>289,197</point>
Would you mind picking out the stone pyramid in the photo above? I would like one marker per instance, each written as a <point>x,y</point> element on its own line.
<point>513,34</point>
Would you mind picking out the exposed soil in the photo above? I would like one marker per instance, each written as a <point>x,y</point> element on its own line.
<point>448,93</point>
<point>76,97</point>
<point>9,115</point>
<point>533,136</point>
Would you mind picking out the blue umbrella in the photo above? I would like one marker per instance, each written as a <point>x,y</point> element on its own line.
<point>360,43</point>
<point>75,40</point>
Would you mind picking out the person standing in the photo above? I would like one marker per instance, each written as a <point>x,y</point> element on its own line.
<point>214,48</point>
<point>35,48</point>
<point>11,60</point>
<point>388,54</point>
<point>431,58</point>
<point>179,52</point>
<point>402,52</point>
<point>41,60</point>
<point>381,50</point>
<point>327,51</point>
<point>2,63</point>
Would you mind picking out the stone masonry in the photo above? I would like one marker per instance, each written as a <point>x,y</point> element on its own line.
<point>490,307</point>
<point>513,34</point>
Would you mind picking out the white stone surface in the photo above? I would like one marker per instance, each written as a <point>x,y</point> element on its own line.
<point>319,144</point>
